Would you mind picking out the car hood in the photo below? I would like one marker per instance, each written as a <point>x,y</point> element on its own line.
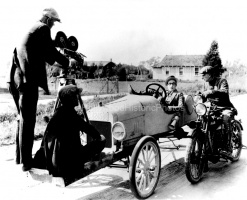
<point>128,107</point>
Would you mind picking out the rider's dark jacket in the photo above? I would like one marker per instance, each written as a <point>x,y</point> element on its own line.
<point>37,49</point>
<point>218,89</point>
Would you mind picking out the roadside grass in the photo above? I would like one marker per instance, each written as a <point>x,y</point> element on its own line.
<point>8,121</point>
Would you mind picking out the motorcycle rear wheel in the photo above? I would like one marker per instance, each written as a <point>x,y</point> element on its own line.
<point>194,160</point>
<point>236,141</point>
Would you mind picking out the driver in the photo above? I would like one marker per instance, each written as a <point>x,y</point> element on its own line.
<point>61,147</point>
<point>218,88</point>
<point>173,103</point>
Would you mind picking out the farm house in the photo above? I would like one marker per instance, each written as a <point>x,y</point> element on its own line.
<point>184,67</point>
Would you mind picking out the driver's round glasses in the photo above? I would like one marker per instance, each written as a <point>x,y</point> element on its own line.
<point>172,83</point>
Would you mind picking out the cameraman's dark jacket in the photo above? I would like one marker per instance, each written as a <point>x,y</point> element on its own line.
<point>30,58</point>
<point>218,89</point>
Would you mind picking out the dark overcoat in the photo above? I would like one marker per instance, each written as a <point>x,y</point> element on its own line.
<point>36,49</point>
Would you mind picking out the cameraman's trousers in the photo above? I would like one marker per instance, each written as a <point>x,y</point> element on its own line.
<point>25,99</point>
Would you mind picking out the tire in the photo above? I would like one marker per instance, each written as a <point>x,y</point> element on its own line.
<point>236,141</point>
<point>194,160</point>
<point>145,167</point>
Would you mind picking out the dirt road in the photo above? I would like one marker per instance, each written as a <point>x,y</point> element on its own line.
<point>223,181</point>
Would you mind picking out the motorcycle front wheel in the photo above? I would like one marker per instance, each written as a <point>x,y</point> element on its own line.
<point>194,160</point>
<point>236,141</point>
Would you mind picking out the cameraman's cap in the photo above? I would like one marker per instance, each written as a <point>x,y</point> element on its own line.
<point>51,13</point>
<point>206,70</point>
<point>171,78</point>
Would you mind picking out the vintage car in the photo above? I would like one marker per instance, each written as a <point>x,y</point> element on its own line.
<point>132,125</point>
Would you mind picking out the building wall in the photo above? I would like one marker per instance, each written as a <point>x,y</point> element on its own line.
<point>183,73</point>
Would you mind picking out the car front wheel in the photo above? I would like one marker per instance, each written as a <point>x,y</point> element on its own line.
<point>145,167</point>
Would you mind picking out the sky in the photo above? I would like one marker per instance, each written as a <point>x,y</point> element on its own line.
<point>131,31</point>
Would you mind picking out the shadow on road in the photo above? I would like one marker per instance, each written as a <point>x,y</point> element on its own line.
<point>173,183</point>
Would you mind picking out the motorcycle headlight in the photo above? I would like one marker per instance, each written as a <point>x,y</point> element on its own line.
<point>201,109</point>
<point>197,99</point>
<point>118,131</point>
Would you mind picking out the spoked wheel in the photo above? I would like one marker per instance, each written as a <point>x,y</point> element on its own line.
<point>194,160</point>
<point>236,141</point>
<point>145,167</point>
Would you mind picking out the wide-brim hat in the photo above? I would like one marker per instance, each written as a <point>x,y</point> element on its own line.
<point>61,40</point>
<point>72,43</point>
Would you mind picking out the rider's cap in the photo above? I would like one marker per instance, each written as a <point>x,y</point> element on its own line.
<point>206,70</point>
<point>67,92</point>
<point>171,78</point>
<point>51,13</point>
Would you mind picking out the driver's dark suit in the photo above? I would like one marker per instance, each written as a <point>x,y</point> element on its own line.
<point>218,89</point>
<point>173,103</point>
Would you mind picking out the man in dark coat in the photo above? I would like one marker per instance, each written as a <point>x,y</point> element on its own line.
<point>218,89</point>
<point>64,154</point>
<point>27,73</point>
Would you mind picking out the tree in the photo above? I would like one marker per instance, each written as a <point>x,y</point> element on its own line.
<point>152,62</point>
<point>236,68</point>
<point>92,69</point>
<point>121,73</point>
<point>212,58</point>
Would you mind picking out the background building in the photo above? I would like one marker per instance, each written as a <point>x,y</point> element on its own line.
<point>184,67</point>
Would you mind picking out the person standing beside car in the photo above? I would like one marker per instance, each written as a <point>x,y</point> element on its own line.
<point>26,74</point>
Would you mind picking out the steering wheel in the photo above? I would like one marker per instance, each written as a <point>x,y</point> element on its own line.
<point>156,90</point>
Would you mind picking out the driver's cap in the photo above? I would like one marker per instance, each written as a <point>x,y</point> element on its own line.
<point>171,78</point>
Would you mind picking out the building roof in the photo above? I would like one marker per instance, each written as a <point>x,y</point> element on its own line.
<point>98,63</point>
<point>181,60</point>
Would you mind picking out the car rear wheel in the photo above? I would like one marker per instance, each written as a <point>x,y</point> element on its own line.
<point>145,167</point>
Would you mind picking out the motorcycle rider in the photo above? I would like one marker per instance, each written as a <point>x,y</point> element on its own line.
<point>217,88</point>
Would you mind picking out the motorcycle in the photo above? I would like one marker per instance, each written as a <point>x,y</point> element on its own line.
<point>207,139</point>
